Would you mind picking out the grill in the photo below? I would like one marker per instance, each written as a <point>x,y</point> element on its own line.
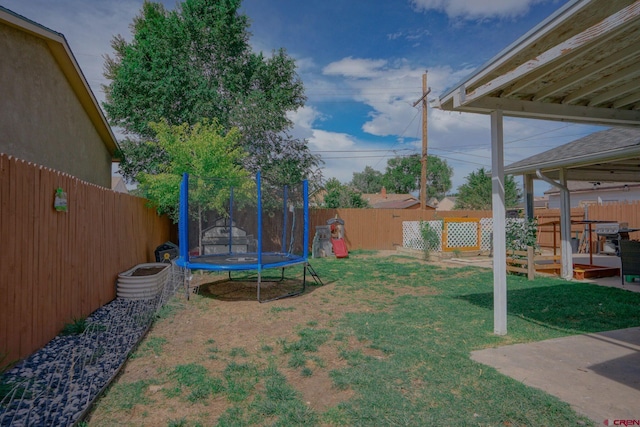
<point>612,233</point>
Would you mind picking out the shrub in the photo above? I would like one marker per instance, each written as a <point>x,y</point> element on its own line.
<point>521,233</point>
<point>430,237</point>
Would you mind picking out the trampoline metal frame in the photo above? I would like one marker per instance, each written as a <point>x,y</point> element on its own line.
<point>185,261</point>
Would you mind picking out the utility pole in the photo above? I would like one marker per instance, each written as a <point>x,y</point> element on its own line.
<point>423,159</point>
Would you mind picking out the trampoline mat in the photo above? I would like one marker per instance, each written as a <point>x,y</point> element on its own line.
<point>248,259</point>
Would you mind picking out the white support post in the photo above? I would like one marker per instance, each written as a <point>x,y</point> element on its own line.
<point>499,214</point>
<point>565,228</point>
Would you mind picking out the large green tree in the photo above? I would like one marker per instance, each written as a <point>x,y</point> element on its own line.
<point>439,175</point>
<point>367,181</point>
<point>403,175</point>
<point>342,196</point>
<point>195,63</point>
<point>475,193</point>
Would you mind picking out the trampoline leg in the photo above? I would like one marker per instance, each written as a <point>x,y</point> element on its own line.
<point>187,281</point>
<point>313,273</point>
<point>304,279</point>
<point>291,294</point>
<point>259,279</point>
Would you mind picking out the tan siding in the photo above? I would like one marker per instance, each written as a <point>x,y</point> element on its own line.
<point>42,118</point>
<point>59,266</point>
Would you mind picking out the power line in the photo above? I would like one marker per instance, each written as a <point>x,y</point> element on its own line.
<point>403,132</point>
<point>358,151</point>
<point>463,161</point>
<point>362,157</point>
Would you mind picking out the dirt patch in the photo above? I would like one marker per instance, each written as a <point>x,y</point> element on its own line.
<point>224,323</point>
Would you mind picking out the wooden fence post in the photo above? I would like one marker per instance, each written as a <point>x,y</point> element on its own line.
<point>531,263</point>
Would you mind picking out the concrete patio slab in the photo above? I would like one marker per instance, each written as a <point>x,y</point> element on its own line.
<point>597,374</point>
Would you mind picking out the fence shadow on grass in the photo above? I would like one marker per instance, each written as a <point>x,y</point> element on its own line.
<point>579,307</point>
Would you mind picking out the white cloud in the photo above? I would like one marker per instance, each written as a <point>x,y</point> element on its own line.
<point>303,120</point>
<point>449,122</point>
<point>322,141</point>
<point>348,155</point>
<point>410,35</point>
<point>338,150</point>
<point>355,68</point>
<point>389,89</point>
<point>304,64</point>
<point>477,9</point>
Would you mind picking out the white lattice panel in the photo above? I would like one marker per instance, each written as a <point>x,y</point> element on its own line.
<point>486,225</point>
<point>412,238</point>
<point>461,234</point>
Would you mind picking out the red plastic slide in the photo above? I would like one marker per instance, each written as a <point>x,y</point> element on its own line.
<point>339,248</point>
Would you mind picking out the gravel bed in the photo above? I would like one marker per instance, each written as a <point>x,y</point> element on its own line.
<point>57,385</point>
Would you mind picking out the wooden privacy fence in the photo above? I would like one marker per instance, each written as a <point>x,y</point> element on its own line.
<point>619,212</point>
<point>628,212</point>
<point>60,266</point>
<point>547,217</point>
<point>380,229</point>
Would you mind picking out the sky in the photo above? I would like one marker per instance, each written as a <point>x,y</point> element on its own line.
<point>361,63</point>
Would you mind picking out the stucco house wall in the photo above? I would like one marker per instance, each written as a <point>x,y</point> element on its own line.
<point>46,116</point>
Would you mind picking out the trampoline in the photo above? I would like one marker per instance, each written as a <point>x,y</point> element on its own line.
<point>244,227</point>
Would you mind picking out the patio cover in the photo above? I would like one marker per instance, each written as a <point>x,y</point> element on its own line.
<point>579,65</point>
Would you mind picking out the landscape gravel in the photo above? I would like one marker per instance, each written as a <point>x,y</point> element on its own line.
<point>56,385</point>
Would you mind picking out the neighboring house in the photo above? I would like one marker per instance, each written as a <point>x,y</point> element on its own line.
<point>539,202</point>
<point>382,200</point>
<point>584,193</point>
<point>446,204</point>
<point>48,114</point>
<point>118,185</point>
<point>316,198</point>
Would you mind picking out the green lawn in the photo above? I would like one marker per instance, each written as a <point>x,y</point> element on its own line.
<point>413,367</point>
<point>428,378</point>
